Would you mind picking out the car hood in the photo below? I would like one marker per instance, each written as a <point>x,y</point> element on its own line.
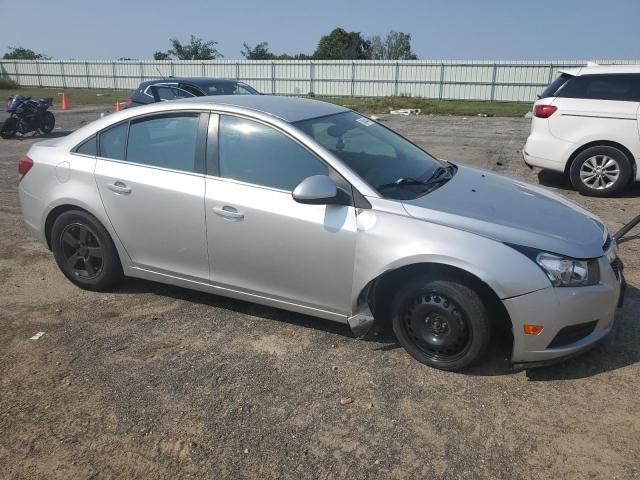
<point>511,211</point>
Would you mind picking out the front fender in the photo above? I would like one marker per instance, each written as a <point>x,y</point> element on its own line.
<point>390,241</point>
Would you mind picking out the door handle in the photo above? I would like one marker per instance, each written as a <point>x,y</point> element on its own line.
<point>228,212</point>
<point>119,187</point>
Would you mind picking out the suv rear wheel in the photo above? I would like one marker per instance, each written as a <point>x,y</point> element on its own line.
<point>600,171</point>
<point>441,322</point>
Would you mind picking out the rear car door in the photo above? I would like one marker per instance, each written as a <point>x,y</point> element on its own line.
<point>598,107</point>
<point>263,242</point>
<point>150,174</point>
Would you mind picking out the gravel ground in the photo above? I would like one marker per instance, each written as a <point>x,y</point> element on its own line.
<point>152,381</point>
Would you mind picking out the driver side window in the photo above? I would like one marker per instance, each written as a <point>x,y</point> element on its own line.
<point>255,153</point>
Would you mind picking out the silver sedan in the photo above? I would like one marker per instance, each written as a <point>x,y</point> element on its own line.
<point>310,207</point>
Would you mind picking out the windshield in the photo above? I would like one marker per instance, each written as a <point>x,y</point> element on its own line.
<point>389,163</point>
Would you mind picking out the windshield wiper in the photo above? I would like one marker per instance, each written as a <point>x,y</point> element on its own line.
<point>402,182</point>
<point>440,176</point>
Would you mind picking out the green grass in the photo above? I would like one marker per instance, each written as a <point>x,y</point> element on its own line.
<point>427,106</point>
<point>91,96</point>
<point>77,96</point>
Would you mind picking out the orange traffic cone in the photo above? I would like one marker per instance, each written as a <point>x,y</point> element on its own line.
<point>118,109</point>
<point>65,102</point>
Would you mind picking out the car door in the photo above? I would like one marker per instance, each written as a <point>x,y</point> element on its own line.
<point>597,107</point>
<point>150,174</point>
<point>263,242</point>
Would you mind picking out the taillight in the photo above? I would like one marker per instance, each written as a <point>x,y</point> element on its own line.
<point>129,102</point>
<point>24,165</point>
<point>544,111</point>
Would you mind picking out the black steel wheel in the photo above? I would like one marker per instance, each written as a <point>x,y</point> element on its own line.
<point>441,323</point>
<point>84,251</point>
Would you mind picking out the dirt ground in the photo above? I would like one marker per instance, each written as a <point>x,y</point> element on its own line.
<point>152,381</point>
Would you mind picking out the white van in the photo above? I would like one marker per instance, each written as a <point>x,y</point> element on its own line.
<point>587,125</point>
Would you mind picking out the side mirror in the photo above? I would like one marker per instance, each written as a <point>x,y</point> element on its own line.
<point>316,190</point>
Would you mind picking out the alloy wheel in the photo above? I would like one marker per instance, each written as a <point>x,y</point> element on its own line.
<point>599,172</point>
<point>82,251</point>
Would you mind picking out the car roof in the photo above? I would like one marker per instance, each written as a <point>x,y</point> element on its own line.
<point>601,70</point>
<point>199,81</point>
<point>289,109</point>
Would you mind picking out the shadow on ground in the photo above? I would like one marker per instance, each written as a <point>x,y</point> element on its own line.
<point>549,178</point>
<point>618,350</point>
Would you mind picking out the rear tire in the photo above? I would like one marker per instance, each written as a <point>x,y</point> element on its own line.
<point>84,251</point>
<point>48,122</point>
<point>441,322</point>
<point>600,171</point>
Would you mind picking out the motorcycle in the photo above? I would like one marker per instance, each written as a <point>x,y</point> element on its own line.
<point>28,115</point>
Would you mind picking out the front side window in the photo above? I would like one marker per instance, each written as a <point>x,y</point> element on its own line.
<point>378,155</point>
<point>112,142</point>
<point>167,141</point>
<point>254,153</point>
<point>622,87</point>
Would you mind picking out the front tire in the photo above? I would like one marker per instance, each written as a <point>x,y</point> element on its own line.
<point>600,171</point>
<point>84,251</point>
<point>48,122</point>
<point>440,322</point>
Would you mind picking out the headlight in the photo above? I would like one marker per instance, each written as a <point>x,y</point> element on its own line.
<point>568,272</point>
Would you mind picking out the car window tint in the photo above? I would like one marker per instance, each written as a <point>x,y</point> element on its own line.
<point>88,147</point>
<point>222,88</point>
<point>191,89</point>
<point>554,86</point>
<point>112,142</point>
<point>624,87</point>
<point>171,93</point>
<point>257,154</point>
<point>168,142</point>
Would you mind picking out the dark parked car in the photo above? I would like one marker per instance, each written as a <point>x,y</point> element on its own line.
<point>173,87</point>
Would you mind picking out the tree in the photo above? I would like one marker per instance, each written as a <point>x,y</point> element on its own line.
<point>259,52</point>
<point>21,53</point>
<point>342,45</point>
<point>161,55</point>
<point>395,46</point>
<point>196,49</point>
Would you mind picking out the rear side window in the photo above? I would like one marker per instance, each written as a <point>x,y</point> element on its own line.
<point>88,147</point>
<point>112,142</point>
<point>167,141</point>
<point>623,87</point>
<point>553,88</point>
<point>254,153</point>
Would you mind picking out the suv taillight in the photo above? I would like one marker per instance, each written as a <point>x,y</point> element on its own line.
<point>24,165</point>
<point>129,102</point>
<point>544,111</point>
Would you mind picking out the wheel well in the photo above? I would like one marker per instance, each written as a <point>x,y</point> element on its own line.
<point>53,215</point>
<point>601,143</point>
<point>380,292</point>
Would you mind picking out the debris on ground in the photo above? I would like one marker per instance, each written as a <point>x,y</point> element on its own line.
<point>406,111</point>
<point>37,336</point>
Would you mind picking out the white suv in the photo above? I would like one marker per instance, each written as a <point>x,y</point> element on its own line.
<point>586,124</point>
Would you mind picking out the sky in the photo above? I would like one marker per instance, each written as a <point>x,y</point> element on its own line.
<point>440,29</point>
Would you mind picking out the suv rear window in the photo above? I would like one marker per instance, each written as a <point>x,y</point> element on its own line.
<point>556,85</point>
<point>622,87</point>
